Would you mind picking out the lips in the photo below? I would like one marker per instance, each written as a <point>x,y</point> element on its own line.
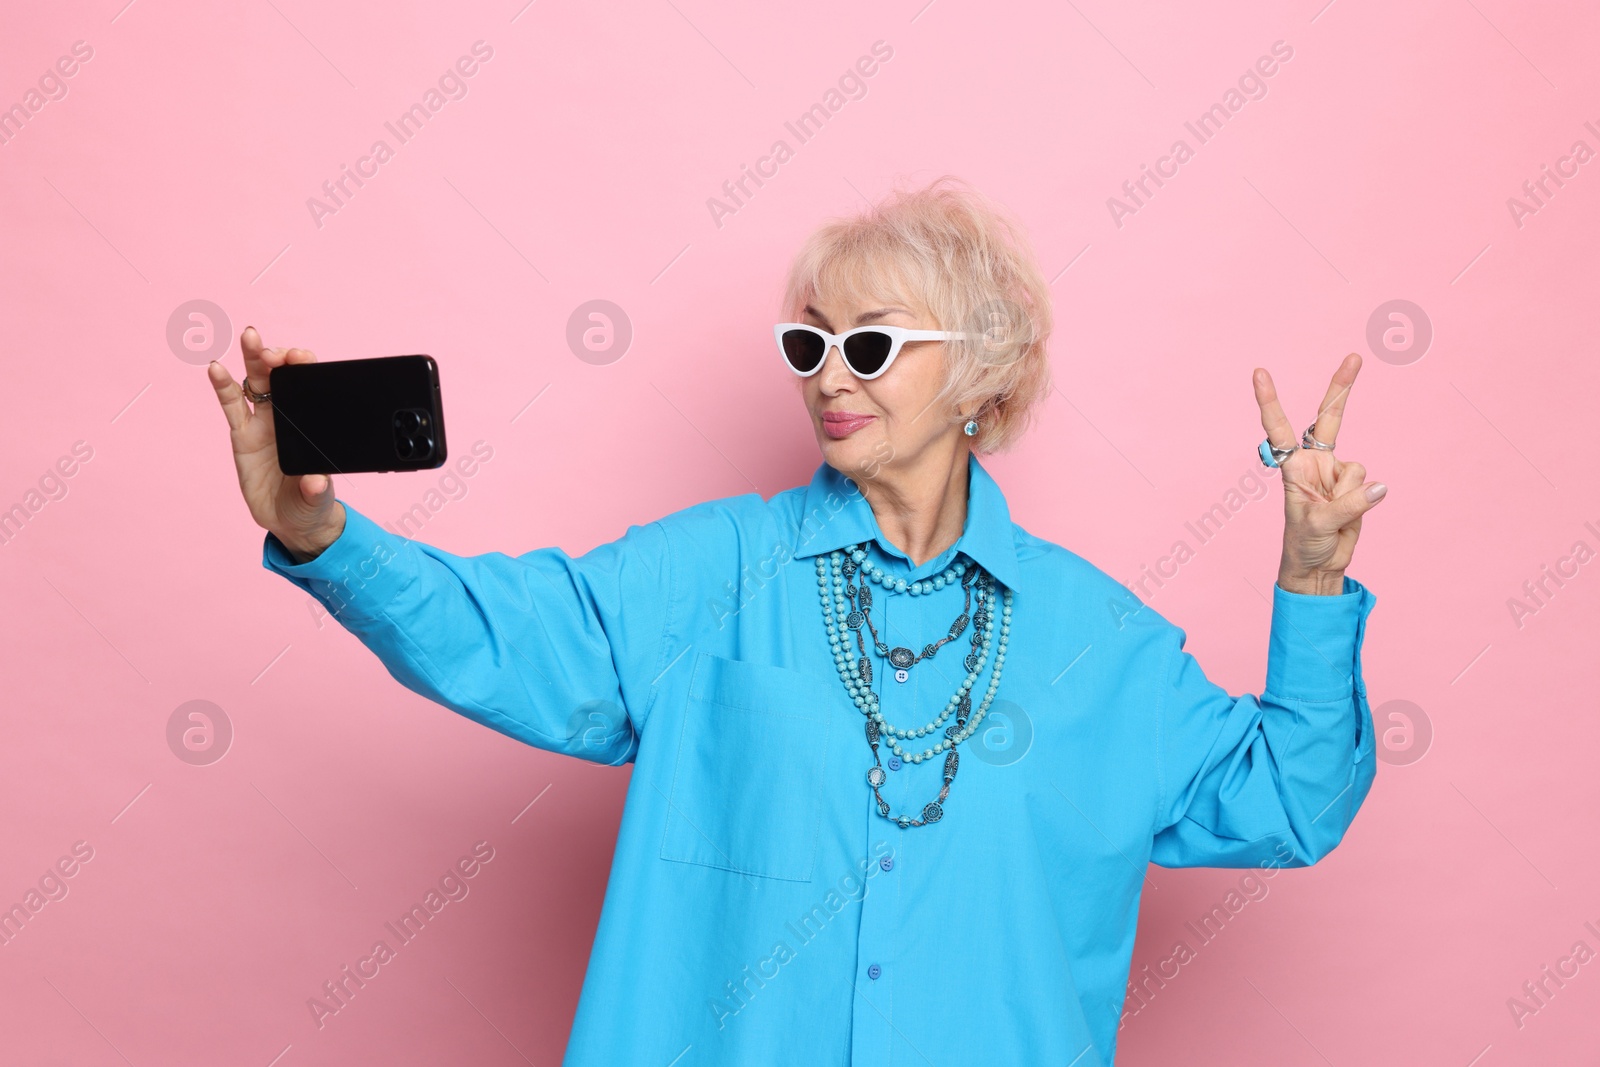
<point>838,424</point>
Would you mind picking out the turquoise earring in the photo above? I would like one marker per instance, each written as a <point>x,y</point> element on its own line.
<point>971,428</point>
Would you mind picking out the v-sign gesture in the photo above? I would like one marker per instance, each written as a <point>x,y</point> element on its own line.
<point>1324,498</point>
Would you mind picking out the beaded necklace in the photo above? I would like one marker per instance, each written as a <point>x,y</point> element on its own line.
<point>900,657</point>
<point>845,597</point>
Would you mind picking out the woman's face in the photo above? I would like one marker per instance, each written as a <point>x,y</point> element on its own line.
<point>889,421</point>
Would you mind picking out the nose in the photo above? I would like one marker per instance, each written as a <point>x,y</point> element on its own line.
<point>834,374</point>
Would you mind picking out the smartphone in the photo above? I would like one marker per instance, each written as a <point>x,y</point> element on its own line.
<point>353,415</point>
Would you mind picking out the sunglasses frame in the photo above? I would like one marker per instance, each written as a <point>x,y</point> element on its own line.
<point>898,336</point>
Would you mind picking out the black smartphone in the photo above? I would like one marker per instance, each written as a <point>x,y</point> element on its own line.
<point>353,415</point>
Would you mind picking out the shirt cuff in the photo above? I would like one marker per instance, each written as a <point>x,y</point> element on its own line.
<point>1313,652</point>
<point>357,575</point>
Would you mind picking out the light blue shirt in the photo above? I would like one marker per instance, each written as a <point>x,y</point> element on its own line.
<point>759,909</point>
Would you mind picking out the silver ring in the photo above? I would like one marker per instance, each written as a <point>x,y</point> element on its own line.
<point>1307,440</point>
<point>1271,455</point>
<point>254,397</point>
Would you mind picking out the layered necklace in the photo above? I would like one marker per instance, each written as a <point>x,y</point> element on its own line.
<point>847,599</point>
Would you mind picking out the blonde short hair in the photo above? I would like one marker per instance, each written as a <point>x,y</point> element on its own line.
<point>972,268</point>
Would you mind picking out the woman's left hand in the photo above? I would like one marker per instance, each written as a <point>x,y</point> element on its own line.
<point>1323,497</point>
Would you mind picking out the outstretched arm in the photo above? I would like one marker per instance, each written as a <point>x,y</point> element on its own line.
<point>555,650</point>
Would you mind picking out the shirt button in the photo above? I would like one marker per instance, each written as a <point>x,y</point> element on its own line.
<point>887,863</point>
<point>894,763</point>
<point>874,971</point>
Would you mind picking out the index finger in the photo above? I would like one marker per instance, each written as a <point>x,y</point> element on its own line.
<point>1331,411</point>
<point>259,360</point>
<point>1273,420</point>
<point>257,364</point>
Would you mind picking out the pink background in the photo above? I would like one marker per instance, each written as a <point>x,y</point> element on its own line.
<point>1377,167</point>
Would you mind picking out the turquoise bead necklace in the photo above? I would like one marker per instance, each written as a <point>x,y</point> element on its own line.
<point>846,597</point>
<point>900,657</point>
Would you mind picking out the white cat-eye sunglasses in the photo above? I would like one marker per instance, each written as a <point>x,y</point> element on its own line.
<point>868,351</point>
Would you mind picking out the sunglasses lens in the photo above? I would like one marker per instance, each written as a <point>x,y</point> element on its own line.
<point>803,350</point>
<point>867,352</point>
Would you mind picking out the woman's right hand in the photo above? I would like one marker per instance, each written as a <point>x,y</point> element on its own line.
<point>300,510</point>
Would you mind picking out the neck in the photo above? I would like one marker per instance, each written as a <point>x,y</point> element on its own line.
<point>921,509</point>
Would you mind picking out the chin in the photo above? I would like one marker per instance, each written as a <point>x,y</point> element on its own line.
<point>858,456</point>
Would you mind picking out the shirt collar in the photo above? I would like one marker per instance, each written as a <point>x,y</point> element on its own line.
<point>834,513</point>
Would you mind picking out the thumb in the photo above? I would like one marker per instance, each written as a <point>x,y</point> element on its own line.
<point>1347,507</point>
<point>316,490</point>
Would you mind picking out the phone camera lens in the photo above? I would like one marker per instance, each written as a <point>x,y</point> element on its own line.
<point>406,421</point>
<point>402,447</point>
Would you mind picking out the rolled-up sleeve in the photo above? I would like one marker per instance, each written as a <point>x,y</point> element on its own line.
<point>557,651</point>
<point>1273,780</point>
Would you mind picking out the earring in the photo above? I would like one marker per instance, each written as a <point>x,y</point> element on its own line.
<point>971,428</point>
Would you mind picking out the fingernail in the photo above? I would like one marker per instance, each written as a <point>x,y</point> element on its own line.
<point>1376,490</point>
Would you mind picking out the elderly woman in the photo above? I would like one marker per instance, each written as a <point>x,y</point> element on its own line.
<point>826,857</point>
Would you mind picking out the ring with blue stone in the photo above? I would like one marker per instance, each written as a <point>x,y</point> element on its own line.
<point>1271,455</point>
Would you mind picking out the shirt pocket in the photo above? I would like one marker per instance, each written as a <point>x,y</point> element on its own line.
<point>750,763</point>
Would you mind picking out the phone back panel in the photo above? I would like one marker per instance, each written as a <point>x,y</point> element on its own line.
<point>347,416</point>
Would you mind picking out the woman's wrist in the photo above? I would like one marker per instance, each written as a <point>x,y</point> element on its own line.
<point>305,548</point>
<point>1315,583</point>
